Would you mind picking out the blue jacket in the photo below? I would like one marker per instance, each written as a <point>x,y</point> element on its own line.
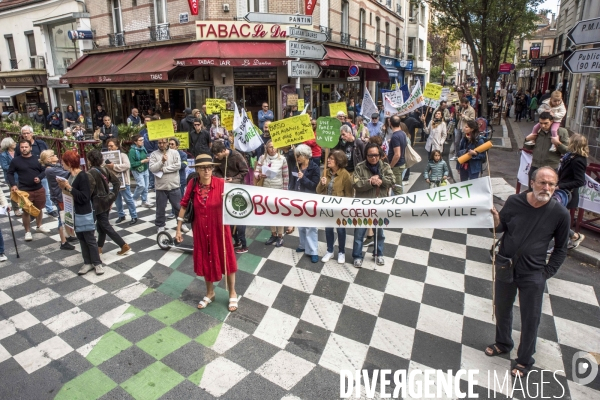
<point>150,146</point>
<point>184,164</point>
<point>310,179</point>
<point>263,117</point>
<point>474,164</point>
<point>5,159</point>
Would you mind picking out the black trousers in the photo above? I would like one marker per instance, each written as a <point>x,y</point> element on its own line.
<point>239,236</point>
<point>531,294</point>
<point>104,228</point>
<point>89,248</point>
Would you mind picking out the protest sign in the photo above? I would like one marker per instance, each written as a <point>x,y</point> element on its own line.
<point>414,101</point>
<point>445,93</point>
<point>291,130</point>
<point>184,140</point>
<point>589,195</point>
<point>227,119</point>
<point>300,104</point>
<point>460,205</point>
<point>394,97</point>
<point>215,106</point>
<point>114,157</point>
<point>69,206</point>
<point>433,91</point>
<point>328,132</point>
<point>368,106</point>
<point>432,103</point>
<point>334,108</point>
<point>160,129</point>
<point>246,134</point>
<point>249,114</point>
<point>292,99</point>
<point>525,164</point>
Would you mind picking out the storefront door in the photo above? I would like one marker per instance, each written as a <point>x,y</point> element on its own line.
<point>251,97</point>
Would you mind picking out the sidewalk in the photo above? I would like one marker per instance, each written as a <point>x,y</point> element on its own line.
<point>589,250</point>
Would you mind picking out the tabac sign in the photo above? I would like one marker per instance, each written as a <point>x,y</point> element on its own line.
<point>239,30</point>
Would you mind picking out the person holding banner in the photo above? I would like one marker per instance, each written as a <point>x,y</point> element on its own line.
<point>336,182</point>
<point>213,253</point>
<point>372,178</point>
<point>472,168</point>
<point>437,133</point>
<point>276,166</point>
<point>218,132</point>
<point>309,176</point>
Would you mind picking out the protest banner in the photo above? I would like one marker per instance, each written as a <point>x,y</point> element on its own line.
<point>114,157</point>
<point>69,206</point>
<point>291,130</point>
<point>328,132</point>
<point>184,140</point>
<point>246,136</point>
<point>414,101</point>
<point>215,106</point>
<point>433,91</point>
<point>589,195</point>
<point>300,104</point>
<point>334,108</point>
<point>460,205</point>
<point>432,103</point>
<point>249,114</point>
<point>227,119</point>
<point>160,129</point>
<point>368,106</point>
<point>525,164</point>
<point>390,98</point>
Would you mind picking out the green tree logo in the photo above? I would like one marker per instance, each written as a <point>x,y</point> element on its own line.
<point>239,203</point>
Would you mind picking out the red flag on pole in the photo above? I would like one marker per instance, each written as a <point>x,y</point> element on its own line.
<point>309,6</point>
<point>193,6</point>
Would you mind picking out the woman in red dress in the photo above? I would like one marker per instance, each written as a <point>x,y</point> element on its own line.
<point>211,260</point>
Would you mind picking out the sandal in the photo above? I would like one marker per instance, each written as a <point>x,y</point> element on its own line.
<point>233,304</point>
<point>522,371</point>
<point>290,230</point>
<point>205,302</point>
<point>495,350</point>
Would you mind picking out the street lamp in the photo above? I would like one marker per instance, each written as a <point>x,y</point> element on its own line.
<point>443,75</point>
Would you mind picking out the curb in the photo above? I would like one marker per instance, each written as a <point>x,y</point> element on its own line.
<point>585,255</point>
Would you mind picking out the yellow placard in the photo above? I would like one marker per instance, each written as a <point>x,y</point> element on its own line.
<point>393,86</point>
<point>300,104</point>
<point>335,107</point>
<point>291,130</point>
<point>215,106</point>
<point>433,91</point>
<point>227,119</point>
<point>184,140</point>
<point>249,114</point>
<point>160,129</point>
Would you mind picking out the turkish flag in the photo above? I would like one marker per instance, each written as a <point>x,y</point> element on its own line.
<point>193,6</point>
<point>309,6</point>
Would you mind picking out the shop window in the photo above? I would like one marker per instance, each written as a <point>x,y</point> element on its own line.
<point>377,30</point>
<point>10,44</point>
<point>345,12</point>
<point>31,43</point>
<point>387,34</point>
<point>160,11</point>
<point>411,45</point>
<point>362,24</point>
<point>64,51</point>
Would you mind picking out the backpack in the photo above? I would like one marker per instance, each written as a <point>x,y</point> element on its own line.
<point>103,197</point>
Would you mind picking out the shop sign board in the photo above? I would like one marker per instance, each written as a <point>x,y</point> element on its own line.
<point>310,51</point>
<point>270,18</point>
<point>160,129</point>
<point>305,34</point>
<point>585,32</point>
<point>538,62</point>
<point>309,6</point>
<point>584,61</point>
<point>291,130</point>
<point>239,30</point>
<point>215,106</point>
<point>303,69</point>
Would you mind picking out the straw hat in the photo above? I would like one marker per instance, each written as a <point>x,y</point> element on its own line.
<point>204,160</point>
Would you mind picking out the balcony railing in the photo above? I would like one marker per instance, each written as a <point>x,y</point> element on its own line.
<point>326,31</point>
<point>345,39</point>
<point>387,50</point>
<point>377,48</point>
<point>398,53</point>
<point>362,43</point>
<point>116,39</point>
<point>160,32</point>
<point>14,64</point>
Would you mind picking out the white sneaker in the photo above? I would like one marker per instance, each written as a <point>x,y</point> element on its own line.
<point>28,237</point>
<point>552,148</point>
<point>161,229</point>
<point>341,258</point>
<point>42,229</point>
<point>184,228</point>
<point>3,257</point>
<point>530,143</point>
<point>148,205</point>
<point>85,269</point>
<point>99,269</point>
<point>453,158</point>
<point>327,257</point>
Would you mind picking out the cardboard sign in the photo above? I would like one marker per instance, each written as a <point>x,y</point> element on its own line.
<point>292,99</point>
<point>69,206</point>
<point>184,140</point>
<point>433,91</point>
<point>334,108</point>
<point>115,158</point>
<point>328,132</point>
<point>300,104</point>
<point>291,130</point>
<point>161,129</point>
<point>227,119</point>
<point>215,106</point>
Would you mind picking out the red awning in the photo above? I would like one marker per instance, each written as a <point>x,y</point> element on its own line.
<point>234,54</point>
<point>140,65</point>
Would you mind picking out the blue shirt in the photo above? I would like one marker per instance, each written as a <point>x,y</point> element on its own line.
<point>398,140</point>
<point>375,130</point>
<point>263,117</point>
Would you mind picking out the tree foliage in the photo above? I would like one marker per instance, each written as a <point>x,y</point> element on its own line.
<point>443,41</point>
<point>488,27</point>
<point>435,73</point>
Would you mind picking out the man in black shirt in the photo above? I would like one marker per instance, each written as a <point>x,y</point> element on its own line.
<point>30,173</point>
<point>354,149</point>
<point>199,139</point>
<point>530,269</point>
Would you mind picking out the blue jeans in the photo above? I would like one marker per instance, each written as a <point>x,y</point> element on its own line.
<point>49,204</point>
<point>359,236</point>
<point>331,239</point>
<point>126,193</point>
<point>151,184</point>
<point>143,180</point>
<point>60,223</point>
<point>1,242</point>
<point>309,240</point>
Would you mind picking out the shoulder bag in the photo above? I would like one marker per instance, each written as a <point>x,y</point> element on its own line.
<point>411,157</point>
<point>504,266</point>
<point>188,216</point>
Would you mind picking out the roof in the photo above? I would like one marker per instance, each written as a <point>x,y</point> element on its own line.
<point>12,4</point>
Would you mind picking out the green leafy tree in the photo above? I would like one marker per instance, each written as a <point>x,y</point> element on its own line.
<point>488,27</point>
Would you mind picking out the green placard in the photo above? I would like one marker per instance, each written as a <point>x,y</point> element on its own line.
<point>328,132</point>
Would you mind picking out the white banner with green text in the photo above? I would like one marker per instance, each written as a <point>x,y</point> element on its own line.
<point>460,205</point>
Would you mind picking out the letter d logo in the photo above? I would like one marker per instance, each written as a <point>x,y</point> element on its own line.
<point>584,368</point>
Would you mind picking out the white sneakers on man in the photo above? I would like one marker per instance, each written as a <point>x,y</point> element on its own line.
<point>327,257</point>
<point>42,229</point>
<point>341,258</point>
<point>28,237</point>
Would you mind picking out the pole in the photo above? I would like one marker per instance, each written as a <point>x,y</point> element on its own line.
<point>13,233</point>
<point>326,158</point>
<point>223,230</point>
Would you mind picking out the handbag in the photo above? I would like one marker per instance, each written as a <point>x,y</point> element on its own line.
<point>411,157</point>
<point>188,216</point>
<point>504,267</point>
<point>84,222</point>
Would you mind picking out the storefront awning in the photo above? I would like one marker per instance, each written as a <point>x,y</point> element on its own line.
<point>378,75</point>
<point>139,65</point>
<point>6,94</point>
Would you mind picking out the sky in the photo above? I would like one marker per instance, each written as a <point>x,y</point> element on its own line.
<point>551,5</point>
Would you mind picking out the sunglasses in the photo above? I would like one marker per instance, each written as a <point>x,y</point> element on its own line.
<point>372,155</point>
<point>197,124</point>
